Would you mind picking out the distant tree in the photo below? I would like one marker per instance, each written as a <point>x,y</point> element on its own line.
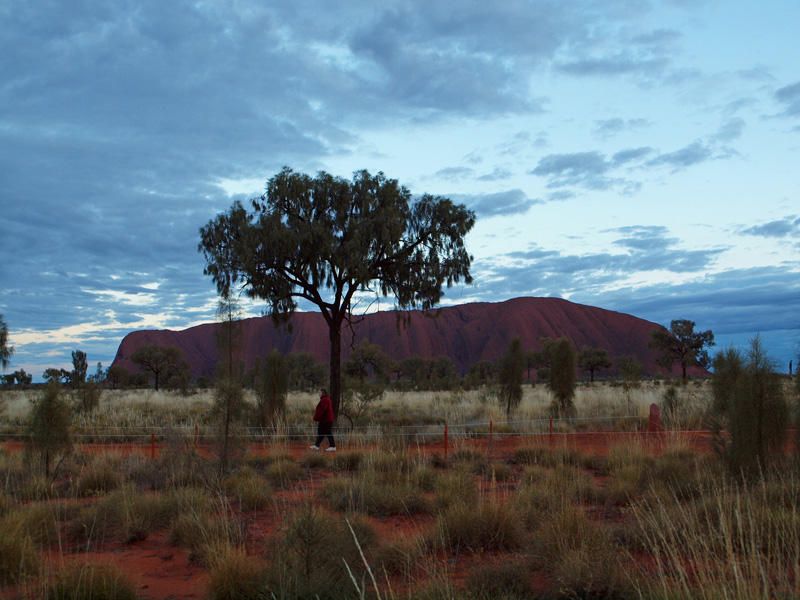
<point>100,374</point>
<point>366,377</point>
<point>415,370</point>
<point>228,405</point>
<point>561,355</point>
<point>682,344</point>
<point>117,376</point>
<point>481,373</point>
<point>443,374</point>
<point>6,351</point>
<point>79,368</point>
<point>750,402</point>
<point>305,373</point>
<point>510,374</point>
<point>54,375</point>
<point>630,372</point>
<point>157,360</point>
<point>593,359</point>
<point>533,360</point>
<point>48,425</point>
<point>271,385</point>
<point>325,239</point>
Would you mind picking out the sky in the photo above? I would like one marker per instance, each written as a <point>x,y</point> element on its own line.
<point>633,155</point>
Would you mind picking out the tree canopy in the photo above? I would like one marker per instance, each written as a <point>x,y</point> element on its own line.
<point>6,351</point>
<point>593,359</point>
<point>325,239</point>
<point>683,344</point>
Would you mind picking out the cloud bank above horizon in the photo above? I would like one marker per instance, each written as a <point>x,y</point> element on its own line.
<point>633,155</point>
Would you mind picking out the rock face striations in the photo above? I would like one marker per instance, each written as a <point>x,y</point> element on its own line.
<point>467,334</point>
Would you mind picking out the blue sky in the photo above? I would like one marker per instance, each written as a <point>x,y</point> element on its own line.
<point>637,156</point>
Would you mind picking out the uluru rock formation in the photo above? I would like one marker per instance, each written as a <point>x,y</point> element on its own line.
<point>466,333</point>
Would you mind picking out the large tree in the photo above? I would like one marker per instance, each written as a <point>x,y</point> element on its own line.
<point>6,351</point>
<point>593,359</point>
<point>325,239</point>
<point>683,344</point>
<point>159,360</point>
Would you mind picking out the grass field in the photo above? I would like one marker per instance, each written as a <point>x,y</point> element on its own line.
<point>525,518</point>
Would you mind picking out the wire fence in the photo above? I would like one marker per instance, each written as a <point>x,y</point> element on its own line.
<point>422,433</point>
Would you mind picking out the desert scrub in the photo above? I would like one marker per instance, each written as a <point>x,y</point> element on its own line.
<point>282,473</point>
<point>550,457</point>
<point>251,491</point>
<point>751,531</point>
<point>374,495</point>
<point>455,487</point>
<point>508,579</point>
<point>306,561</point>
<point>233,575</point>
<point>487,527</point>
<point>19,553</point>
<point>542,491</point>
<point>98,582</point>
<point>580,556</point>
<point>37,521</point>
<point>202,529</point>
<point>347,461</point>
<point>101,476</point>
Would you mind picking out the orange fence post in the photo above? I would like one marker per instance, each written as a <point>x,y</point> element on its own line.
<point>152,446</point>
<point>489,446</point>
<point>445,441</point>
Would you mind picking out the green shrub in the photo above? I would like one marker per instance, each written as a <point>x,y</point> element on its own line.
<point>489,527</point>
<point>283,472</point>
<point>233,575</point>
<point>101,477</point>
<point>314,460</point>
<point>508,579</point>
<point>19,554</point>
<point>251,491</point>
<point>347,461</point>
<point>456,487</point>
<point>373,496</point>
<point>89,581</point>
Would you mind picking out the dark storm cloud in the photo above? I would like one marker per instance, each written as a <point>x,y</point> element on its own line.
<point>511,202</point>
<point>780,228</point>
<point>789,96</point>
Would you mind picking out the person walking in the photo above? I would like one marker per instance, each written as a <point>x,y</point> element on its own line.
<point>323,415</point>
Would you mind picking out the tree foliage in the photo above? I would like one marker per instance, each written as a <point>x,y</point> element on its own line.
<point>49,424</point>
<point>593,359</point>
<point>750,402</point>
<point>6,351</point>
<point>366,377</point>
<point>271,385</point>
<point>323,240</point>
<point>560,355</point>
<point>682,344</point>
<point>160,361</point>
<point>510,374</point>
<point>80,366</point>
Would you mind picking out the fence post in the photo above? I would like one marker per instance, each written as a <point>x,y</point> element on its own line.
<point>489,446</point>
<point>152,446</point>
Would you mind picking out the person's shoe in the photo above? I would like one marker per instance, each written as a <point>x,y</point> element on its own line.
<point>315,447</point>
<point>330,449</point>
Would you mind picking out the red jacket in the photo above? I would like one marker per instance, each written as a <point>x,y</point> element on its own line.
<point>324,411</point>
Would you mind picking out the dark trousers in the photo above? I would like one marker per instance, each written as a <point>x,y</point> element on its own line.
<point>325,428</point>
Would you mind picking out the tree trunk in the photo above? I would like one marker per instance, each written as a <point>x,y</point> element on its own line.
<point>335,367</point>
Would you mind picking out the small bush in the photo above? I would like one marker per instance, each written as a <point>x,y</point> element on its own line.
<point>233,575</point>
<point>347,461</point>
<point>95,582</point>
<point>283,472</point>
<point>19,555</point>
<point>457,487</point>
<point>490,527</point>
<point>314,460</point>
<point>508,579</point>
<point>101,477</point>
<point>251,491</point>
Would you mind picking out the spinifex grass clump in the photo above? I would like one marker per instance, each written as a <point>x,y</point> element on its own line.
<point>250,490</point>
<point>737,540</point>
<point>487,527</point>
<point>98,582</point>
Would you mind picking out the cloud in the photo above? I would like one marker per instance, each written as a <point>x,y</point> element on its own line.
<point>614,65</point>
<point>497,174</point>
<point>591,170</point>
<point>510,202</point>
<point>695,153</point>
<point>789,96</point>
<point>730,130</point>
<point>454,173</point>
<point>780,228</point>
<point>610,127</point>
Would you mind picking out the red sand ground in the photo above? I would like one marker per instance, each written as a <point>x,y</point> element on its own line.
<point>163,572</point>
